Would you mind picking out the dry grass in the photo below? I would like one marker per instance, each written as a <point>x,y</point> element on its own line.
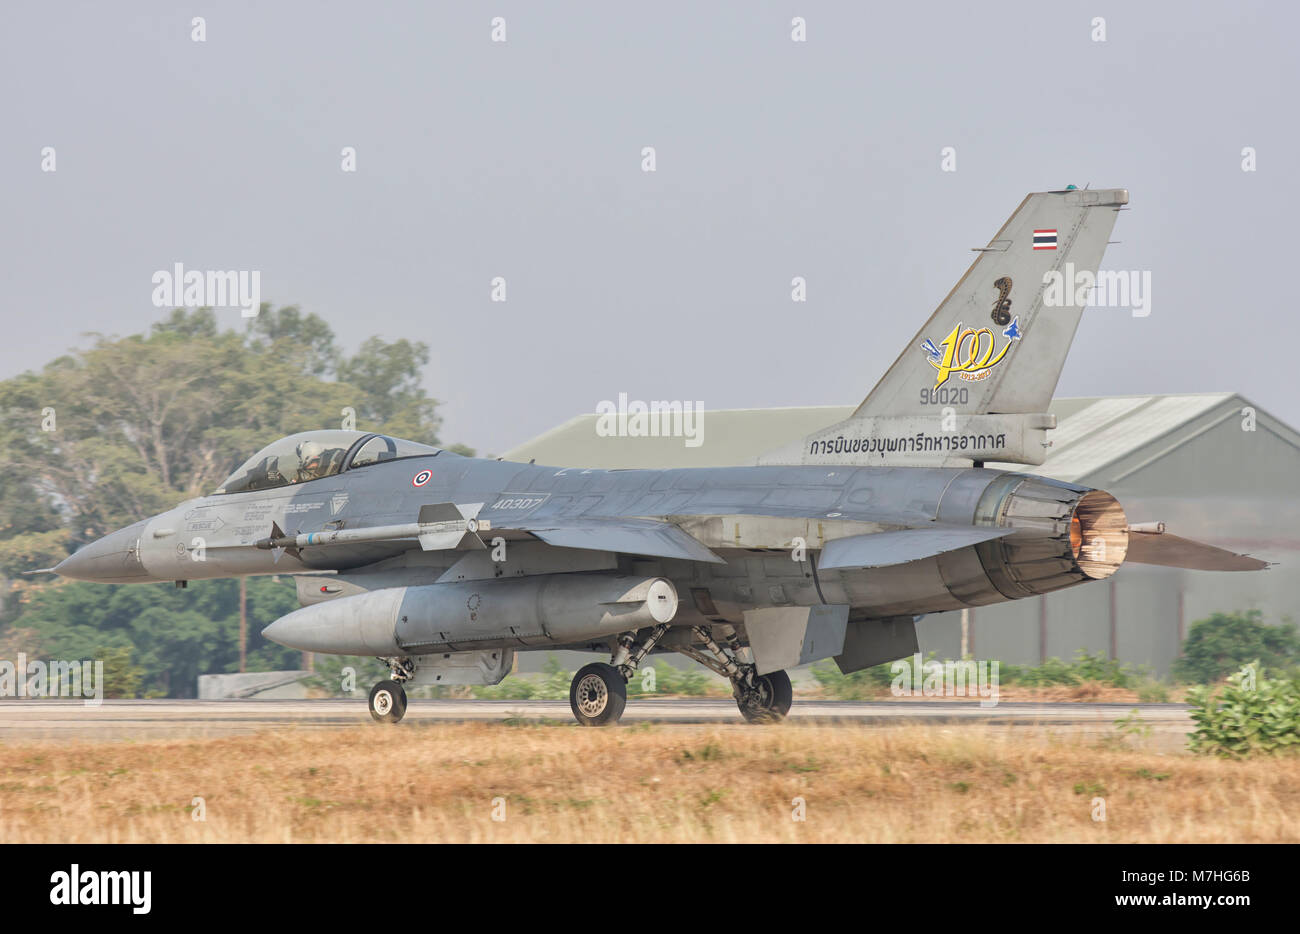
<point>661,783</point>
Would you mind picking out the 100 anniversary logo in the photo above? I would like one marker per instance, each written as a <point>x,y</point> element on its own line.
<point>964,351</point>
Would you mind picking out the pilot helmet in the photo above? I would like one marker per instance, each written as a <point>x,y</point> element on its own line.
<point>309,453</point>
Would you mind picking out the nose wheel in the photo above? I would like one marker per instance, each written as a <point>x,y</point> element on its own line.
<point>598,695</point>
<point>387,702</point>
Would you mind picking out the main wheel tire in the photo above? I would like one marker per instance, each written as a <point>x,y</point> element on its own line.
<point>387,702</point>
<point>771,700</point>
<point>598,695</point>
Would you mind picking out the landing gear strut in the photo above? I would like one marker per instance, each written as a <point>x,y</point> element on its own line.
<point>388,698</point>
<point>598,693</point>
<point>761,698</point>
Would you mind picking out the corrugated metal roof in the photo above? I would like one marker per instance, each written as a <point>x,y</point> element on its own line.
<point>1096,431</point>
<point>1112,427</point>
<point>729,437</point>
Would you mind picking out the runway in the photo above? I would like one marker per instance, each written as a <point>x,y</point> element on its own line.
<point>28,720</point>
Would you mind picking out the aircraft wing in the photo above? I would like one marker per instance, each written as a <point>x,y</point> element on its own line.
<point>902,545</point>
<point>1154,547</point>
<point>630,536</point>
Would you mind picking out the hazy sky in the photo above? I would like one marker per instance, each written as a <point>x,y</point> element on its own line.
<point>775,159</point>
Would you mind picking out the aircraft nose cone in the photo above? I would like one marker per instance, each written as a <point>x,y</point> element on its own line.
<point>113,559</point>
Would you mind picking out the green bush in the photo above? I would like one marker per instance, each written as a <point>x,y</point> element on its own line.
<point>555,681</point>
<point>1101,669</point>
<point>690,682</point>
<point>121,678</point>
<point>1222,644</point>
<point>1150,691</point>
<point>328,675</point>
<point>1051,672</point>
<point>859,685</point>
<point>512,687</point>
<point>870,682</point>
<point>1083,669</point>
<point>553,685</point>
<point>1250,715</point>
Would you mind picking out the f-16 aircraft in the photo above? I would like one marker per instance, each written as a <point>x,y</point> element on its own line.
<point>831,546</point>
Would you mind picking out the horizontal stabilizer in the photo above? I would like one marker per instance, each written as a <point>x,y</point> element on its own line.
<point>898,547</point>
<point>628,536</point>
<point>1173,552</point>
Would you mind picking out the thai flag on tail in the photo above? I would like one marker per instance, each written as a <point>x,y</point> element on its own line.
<point>1044,239</point>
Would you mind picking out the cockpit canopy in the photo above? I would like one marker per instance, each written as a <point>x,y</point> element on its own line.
<point>310,455</point>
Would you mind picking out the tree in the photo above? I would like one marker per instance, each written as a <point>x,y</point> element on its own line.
<point>1224,643</point>
<point>304,342</point>
<point>173,636</point>
<point>387,378</point>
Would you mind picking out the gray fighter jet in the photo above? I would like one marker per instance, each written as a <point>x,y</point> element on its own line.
<point>832,546</point>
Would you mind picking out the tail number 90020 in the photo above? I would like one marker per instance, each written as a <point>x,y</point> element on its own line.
<point>945,395</point>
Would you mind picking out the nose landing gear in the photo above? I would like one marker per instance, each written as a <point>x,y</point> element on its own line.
<point>387,702</point>
<point>388,698</point>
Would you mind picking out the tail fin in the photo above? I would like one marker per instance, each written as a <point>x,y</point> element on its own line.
<point>975,383</point>
<point>991,343</point>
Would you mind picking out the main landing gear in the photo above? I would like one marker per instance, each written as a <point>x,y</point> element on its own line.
<point>598,693</point>
<point>767,700</point>
<point>761,698</point>
<point>388,698</point>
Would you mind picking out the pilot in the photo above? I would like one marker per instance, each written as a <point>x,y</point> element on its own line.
<point>312,461</point>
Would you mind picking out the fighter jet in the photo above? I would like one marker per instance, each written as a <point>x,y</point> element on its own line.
<point>831,546</point>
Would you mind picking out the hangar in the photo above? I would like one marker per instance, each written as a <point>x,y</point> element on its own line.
<point>1212,466</point>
